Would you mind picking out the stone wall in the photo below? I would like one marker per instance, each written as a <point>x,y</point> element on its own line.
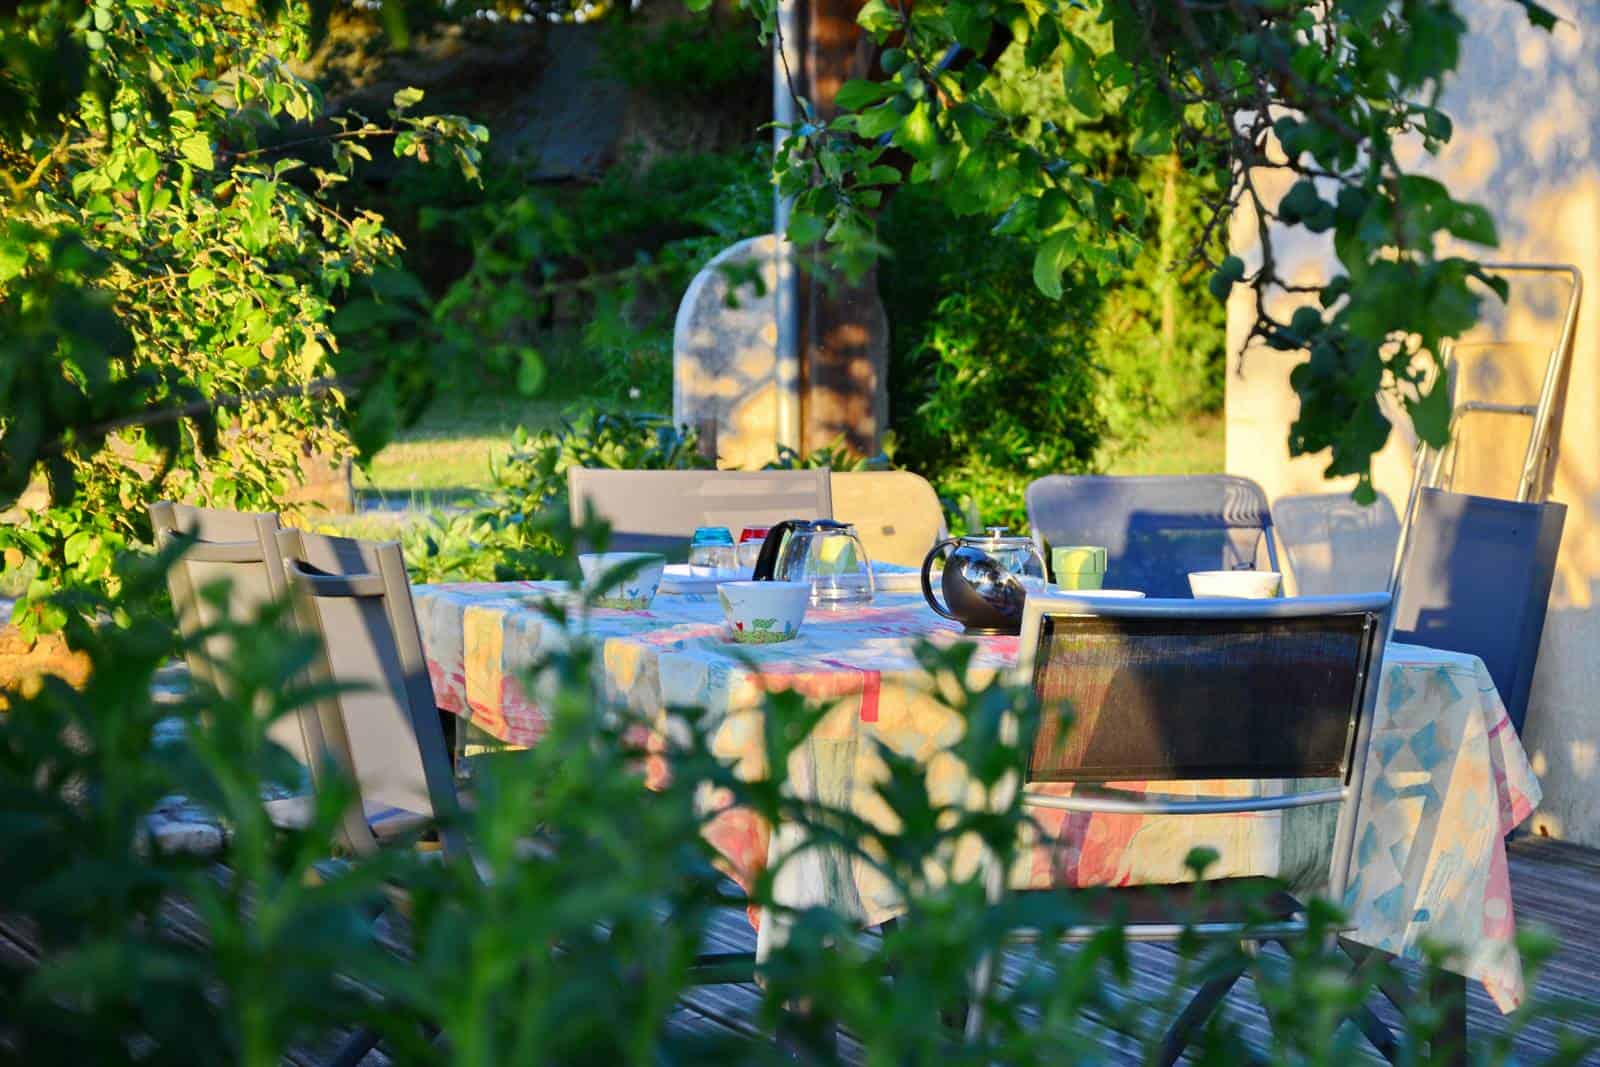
<point>1526,105</point>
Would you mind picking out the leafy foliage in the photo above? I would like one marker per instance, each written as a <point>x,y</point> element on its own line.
<point>1317,93</point>
<point>689,58</point>
<point>492,267</point>
<point>169,265</point>
<point>994,383</point>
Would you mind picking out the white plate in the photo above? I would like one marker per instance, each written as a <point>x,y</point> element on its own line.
<point>893,578</point>
<point>1106,594</point>
<point>681,578</point>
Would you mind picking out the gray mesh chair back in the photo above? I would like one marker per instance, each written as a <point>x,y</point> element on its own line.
<point>382,728</point>
<point>897,513</point>
<point>1156,529</point>
<point>1335,545</point>
<point>1213,690</point>
<point>237,548</point>
<point>657,511</point>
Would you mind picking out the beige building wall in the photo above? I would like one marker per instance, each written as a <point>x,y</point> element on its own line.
<point>1526,106</point>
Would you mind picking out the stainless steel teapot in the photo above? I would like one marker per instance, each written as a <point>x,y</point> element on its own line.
<point>985,581</point>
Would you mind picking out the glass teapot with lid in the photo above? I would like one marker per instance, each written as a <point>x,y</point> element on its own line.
<point>985,580</point>
<point>827,554</point>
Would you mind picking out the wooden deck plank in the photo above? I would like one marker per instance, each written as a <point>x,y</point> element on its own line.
<point>1553,886</point>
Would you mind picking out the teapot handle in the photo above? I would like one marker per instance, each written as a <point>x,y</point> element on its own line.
<point>927,580</point>
<point>767,561</point>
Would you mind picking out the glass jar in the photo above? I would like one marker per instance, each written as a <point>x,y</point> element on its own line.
<point>751,538</point>
<point>711,552</point>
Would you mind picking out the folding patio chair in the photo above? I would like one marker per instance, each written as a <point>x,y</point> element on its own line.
<point>1335,545</point>
<point>1178,690</point>
<point>381,727</point>
<point>897,513</point>
<point>1474,569</point>
<point>1157,528</point>
<point>239,549</point>
<point>657,511</point>
<point>382,724</point>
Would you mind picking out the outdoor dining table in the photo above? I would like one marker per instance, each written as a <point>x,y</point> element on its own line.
<point>1448,780</point>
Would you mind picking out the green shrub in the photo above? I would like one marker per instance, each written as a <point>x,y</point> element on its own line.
<point>992,383</point>
<point>525,522</point>
<point>495,265</point>
<point>694,58</point>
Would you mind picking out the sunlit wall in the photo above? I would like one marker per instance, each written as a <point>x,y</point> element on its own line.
<point>1526,106</point>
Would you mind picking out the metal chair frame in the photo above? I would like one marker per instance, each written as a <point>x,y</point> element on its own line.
<point>1044,486</point>
<point>1533,483</point>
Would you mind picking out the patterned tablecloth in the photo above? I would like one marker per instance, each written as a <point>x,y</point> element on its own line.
<point>1449,780</point>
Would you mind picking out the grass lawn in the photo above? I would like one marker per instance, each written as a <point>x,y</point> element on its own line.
<point>1192,445</point>
<point>444,459</point>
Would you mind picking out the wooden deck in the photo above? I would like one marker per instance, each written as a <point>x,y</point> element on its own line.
<point>1554,885</point>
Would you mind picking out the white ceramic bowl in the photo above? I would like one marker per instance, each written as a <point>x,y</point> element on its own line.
<point>632,593</point>
<point>1235,585</point>
<point>761,613</point>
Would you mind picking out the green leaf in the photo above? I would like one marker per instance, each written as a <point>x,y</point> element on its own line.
<point>13,258</point>
<point>878,18</point>
<point>917,135</point>
<point>1229,272</point>
<point>145,165</point>
<point>1539,15</point>
<point>1077,79</point>
<point>1472,222</point>
<point>971,23</point>
<point>877,121</point>
<point>196,149</point>
<point>407,98</point>
<point>804,228</point>
<point>856,94</point>
<point>1049,261</point>
<point>1043,42</point>
<point>530,372</point>
<point>1430,414</point>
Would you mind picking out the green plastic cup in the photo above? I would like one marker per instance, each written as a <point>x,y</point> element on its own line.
<point>1078,566</point>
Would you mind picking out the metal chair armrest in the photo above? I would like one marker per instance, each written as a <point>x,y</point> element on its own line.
<point>1126,802</point>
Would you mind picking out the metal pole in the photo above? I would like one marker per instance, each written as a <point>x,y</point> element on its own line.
<point>786,63</point>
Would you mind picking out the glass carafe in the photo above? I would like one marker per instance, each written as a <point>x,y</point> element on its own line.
<point>827,555</point>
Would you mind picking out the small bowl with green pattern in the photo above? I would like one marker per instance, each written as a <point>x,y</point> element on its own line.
<point>630,578</point>
<point>763,613</point>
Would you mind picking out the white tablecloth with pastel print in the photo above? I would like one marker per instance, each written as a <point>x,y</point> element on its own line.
<point>1449,777</point>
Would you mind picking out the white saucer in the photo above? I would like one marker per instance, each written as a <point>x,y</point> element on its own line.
<point>681,578</point>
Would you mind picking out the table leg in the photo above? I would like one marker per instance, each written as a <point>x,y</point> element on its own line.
<point>806,1035</point>
<point>1448,991</point>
